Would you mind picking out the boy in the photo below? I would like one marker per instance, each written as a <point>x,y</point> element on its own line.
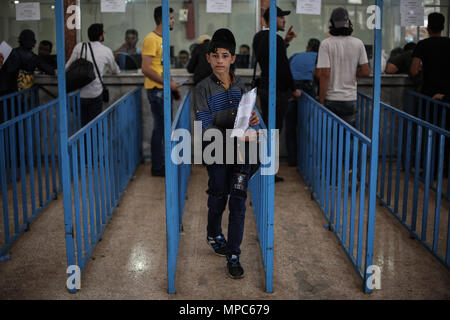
<point>216,100</point>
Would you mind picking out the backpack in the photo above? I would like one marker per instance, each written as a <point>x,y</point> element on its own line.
<point>80,72</point>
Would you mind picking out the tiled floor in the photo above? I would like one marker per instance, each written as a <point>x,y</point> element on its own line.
<point>130,261</point>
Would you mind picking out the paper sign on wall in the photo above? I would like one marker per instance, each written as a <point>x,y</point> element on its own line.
<point>113,6</point>
<point>412,13</point>
<point>28,11</point>
<point>218,6</point>
<point>309,7</point>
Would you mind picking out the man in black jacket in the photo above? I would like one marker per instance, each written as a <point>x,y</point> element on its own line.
<point>21,58</point>
<point>198,65</point>
<point>286,87</point>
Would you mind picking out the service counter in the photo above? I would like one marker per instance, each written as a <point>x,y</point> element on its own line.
<point>393,88</point>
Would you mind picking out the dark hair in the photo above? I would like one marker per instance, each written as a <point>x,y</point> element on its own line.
<point>183,51</point>
<point>47,44</point>
<point>131,31</point>
<point>245,46</point>
<point>157,14</point>
<point>27,39</point>
<point>95,31</point>
<point>396,52</point>
<point>313,45</point>
<point>222,39</point>
<point>436,22</point>
<point>409,46</point>
<point>341,31</point>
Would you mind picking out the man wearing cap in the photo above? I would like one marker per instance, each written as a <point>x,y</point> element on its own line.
<point>342,59</point>
<point>286,87</point>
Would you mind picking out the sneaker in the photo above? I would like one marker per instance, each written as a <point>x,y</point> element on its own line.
<point>235,270</point>
<point>219,244</point>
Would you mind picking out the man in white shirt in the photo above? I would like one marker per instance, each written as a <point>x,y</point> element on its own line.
<point>342,59</point>
<point>92,94</point>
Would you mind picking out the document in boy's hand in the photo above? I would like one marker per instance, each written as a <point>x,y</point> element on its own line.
<point>244,113</point>
<point>5,50</point>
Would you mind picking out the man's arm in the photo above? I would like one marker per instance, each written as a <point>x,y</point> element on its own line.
<point>363,71</point>
<point>153,75</point>
<point>112,63</point>
<point>148,71</point>
<point>391,68</point>
<point>415,66</point>
<point>324,76</point>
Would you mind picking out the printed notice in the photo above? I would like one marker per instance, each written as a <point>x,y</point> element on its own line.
<point>309,7</point>
<point>412,13</point>
<point>218,6</point>
<point>113,6</point>
<point>28,11</point>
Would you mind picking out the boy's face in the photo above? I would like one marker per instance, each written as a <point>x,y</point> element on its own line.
<point>220,61</point>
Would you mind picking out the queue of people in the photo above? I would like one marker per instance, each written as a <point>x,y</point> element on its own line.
<point>326,71</point>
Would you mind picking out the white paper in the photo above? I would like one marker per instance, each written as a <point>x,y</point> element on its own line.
<point>412,13</point>
<point>5,50</point>
<point>113,6</point>
<point>244,113</point>
<point>309,7</point>
<point>28,11</point>
<point>218,6</point>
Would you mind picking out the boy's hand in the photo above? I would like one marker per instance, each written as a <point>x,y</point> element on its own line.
<point>438,96</point>
<point>254,120</point>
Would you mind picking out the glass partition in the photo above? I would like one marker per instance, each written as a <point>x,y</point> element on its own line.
<point>242,21</point>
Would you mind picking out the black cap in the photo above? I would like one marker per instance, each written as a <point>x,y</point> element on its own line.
<point>223,35</point>
<point>27,39</point>
<point>280,13</point>
<point>340,18</point>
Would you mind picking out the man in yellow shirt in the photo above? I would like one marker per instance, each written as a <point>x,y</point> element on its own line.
<point>152,68</point>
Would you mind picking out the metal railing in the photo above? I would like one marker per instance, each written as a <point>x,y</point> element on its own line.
<point>264,218</point>
<point>412,183</point>
<point>17,103</point>
<point>333,159</point>
<point>28,169</point>
<point>103,156</point>
<point>178,184</point>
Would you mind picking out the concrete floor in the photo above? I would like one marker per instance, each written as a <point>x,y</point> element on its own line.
<point>130,261</point>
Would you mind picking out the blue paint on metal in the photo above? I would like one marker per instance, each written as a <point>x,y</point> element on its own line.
<point>418,132</point>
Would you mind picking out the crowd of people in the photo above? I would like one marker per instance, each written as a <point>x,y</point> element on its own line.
<point>326,71</point>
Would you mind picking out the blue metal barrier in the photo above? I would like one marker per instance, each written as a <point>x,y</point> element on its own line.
<point>28,169</point>
<point>103,156</point>
<point>413,158</point>
<point>428,109</point>
<point>333,159</point>
<point>178,184</point>
<point>264,217</point>
<point>17,103</point>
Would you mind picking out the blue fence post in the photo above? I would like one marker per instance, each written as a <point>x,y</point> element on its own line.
<point>375,136</point>
<point>63,157</point>
<point>171,213</point>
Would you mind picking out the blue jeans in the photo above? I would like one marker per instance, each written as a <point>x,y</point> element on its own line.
<point>227,181</point>
<point>155,97</point>
<point>346,110</point>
